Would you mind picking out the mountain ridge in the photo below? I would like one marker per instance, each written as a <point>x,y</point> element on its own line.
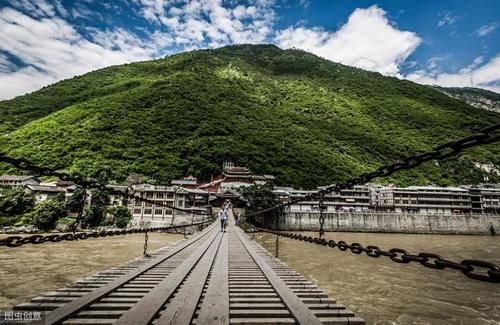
<point>305,119</point>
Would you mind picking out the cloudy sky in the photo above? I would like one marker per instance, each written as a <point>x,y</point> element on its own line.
<point>450,43</point>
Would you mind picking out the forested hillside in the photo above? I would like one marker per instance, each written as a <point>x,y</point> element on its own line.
<point>306,120</point>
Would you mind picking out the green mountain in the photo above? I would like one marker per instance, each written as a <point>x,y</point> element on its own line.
<point>307,120</point>
<point>476,97</point>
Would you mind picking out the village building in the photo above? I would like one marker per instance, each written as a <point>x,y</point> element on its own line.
<point>45,191</point>
<point>485,198</point>
<point>11,181</point>
<point>119,196</point>
<point>356,199</point>
<point>163,197</point>
<point>425,200</point>
<point>189,182</point>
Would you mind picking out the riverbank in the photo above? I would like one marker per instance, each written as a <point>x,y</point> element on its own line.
<point>393,223</point>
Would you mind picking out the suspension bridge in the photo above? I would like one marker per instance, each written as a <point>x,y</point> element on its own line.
<point>219,277</point>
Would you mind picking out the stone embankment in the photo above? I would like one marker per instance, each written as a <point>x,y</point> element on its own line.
<point>394,223</point>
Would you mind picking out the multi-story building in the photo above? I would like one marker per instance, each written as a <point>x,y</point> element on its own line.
<point>186,182</point>
<point>356,199</point>
<point>233,178</point>
<point>17,180</point>
<point>485,198</point>
<point>193,200</point>
<point>423,200</point>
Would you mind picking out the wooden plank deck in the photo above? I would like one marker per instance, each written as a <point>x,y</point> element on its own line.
<point>212,278</point>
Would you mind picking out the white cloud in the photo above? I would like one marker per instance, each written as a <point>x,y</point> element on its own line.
<point>51,49</point>
<point>446,19</point>
<point>485,76</point>
<point>368,40</point>
<point>486,29</point>
<point>211,23</point>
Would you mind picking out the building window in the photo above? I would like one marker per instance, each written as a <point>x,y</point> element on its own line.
<point>148,204</point>
<point>147,211</point>
<point>168,211</point>
<point>149,195</point>
<point>159,195</point>
<point>137,211</point>
<point>138,203</point>
<point>159,211</point>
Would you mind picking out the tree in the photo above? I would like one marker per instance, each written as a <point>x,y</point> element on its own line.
<point>46,214</point>
<point>95,215</point>
<point>15,201</point>
<point>134,179</point>
<point>260,197</point>
<point>75,201</point>
<point>121,216</point>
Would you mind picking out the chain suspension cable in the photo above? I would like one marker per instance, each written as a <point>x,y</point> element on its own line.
<point>24,164</point>
<point>470,268</point>
<point>145,252</point>
<point>81,210</point>
<point>16,241</point>
<point>321,216</point>
<point>487,135</point>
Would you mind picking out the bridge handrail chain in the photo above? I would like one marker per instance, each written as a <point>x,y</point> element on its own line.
<point>452,148</point>
<point>16,241</point>
<point>430,260</point>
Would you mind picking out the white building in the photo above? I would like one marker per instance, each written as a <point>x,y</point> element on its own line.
<point>44,192</point>
<point>11,181</point>
<point>423,200</point>
<point>194,200</point>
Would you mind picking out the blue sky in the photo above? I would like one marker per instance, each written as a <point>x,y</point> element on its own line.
<point>450,43</point>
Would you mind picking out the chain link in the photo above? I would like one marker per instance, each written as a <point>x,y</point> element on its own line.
<point>487,135</point>
<point>85,183</point>
<point>16,241</point>
<point>321,216</point>
<point>146,237</point>
<point>471,268</point>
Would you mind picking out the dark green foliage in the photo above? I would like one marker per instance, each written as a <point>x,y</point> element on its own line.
<point>95,215</point>
<point>13,203</point>
<point>74,202</point>
<point>121,216</point>
<point>260,197</point>
<point>46,214</point>
<point>306,120</point>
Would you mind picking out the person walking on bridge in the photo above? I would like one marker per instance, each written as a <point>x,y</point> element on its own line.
<point>223,219</point>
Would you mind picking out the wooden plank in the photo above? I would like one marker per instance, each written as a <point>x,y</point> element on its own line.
<point>146,309</point>
<point>297,308</point>
<point>181,308</point>
<point>76,305</point>
<point>215,307</point>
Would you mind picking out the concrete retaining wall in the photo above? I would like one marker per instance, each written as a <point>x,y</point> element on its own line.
<point>393,223</point>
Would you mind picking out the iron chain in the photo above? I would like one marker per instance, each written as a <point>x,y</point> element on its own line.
<point>16,241</point>
<point>470,268</point>
<point>321,216</point>
<point>487,135</point>
<point>145,252</point>
<point>85,183</point>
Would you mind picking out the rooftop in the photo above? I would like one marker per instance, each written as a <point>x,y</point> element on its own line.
<point>16,177</point>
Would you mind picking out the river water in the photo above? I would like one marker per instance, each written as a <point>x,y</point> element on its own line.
<point>384,292</point>
<point>376,289</point>
<point>30,270</point>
